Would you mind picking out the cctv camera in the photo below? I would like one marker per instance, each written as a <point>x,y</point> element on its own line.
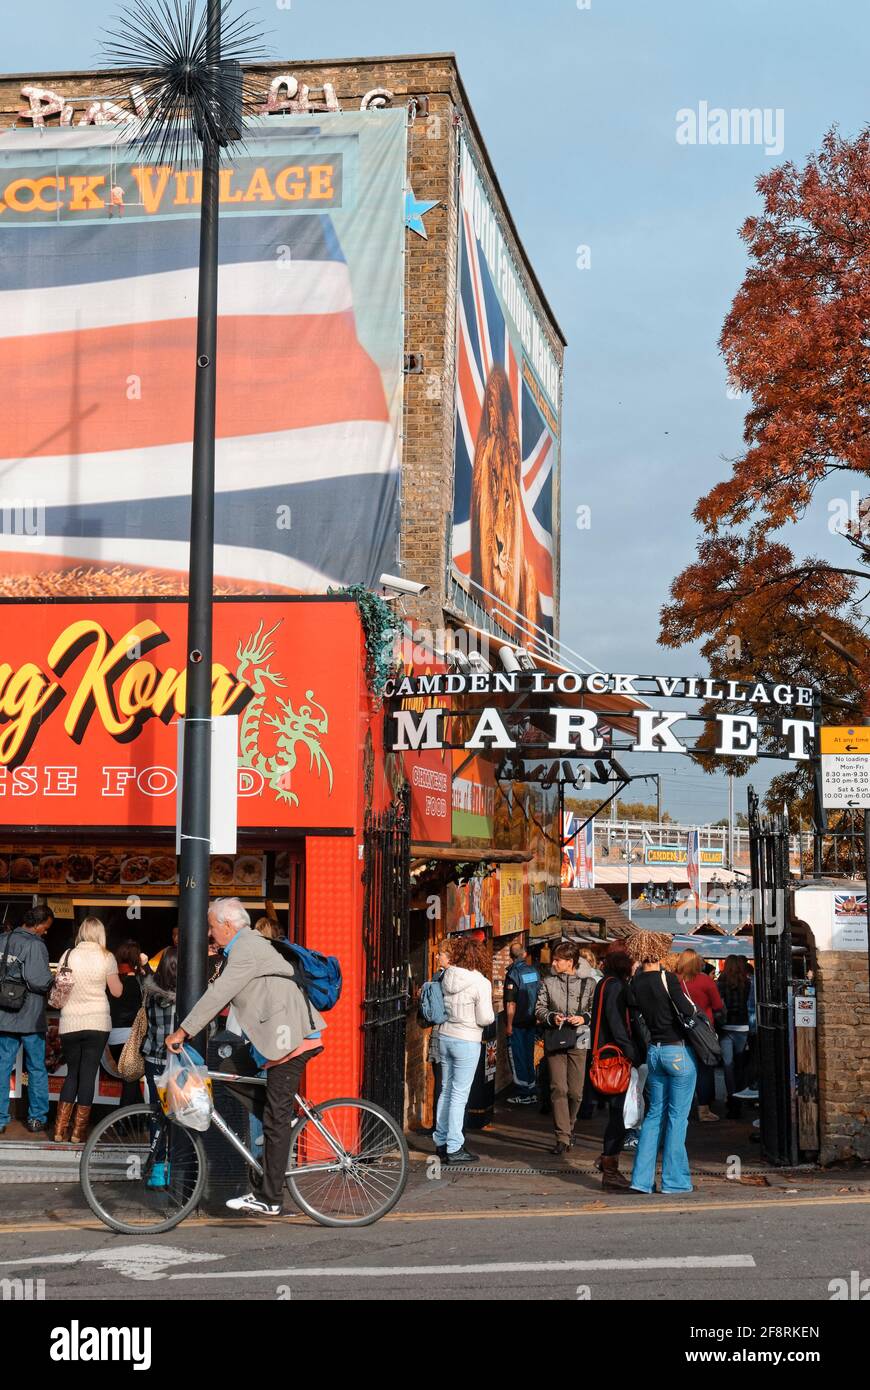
<point>508,659</point>
<point>525,661</point>
<point>459,661</point>
<point>400,585</point>
<point>478,663</point>
<point>619,771</point>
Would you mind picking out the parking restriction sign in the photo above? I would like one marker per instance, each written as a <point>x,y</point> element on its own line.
<point>846,767</point>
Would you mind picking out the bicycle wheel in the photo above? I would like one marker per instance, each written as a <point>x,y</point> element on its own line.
<point>368,1163</point>
<point>119,1160</point>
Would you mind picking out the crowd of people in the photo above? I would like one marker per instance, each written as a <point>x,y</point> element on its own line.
<point>617,1030</point>
<point>98,994</point>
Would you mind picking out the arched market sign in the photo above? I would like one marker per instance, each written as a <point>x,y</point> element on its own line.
<point>420,723</point>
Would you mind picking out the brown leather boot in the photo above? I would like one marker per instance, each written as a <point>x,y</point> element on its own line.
<point>611,1178</point>
<point>80,1124</point>
<point>61,1120</point>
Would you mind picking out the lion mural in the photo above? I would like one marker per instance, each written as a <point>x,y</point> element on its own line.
<point>498,561</point>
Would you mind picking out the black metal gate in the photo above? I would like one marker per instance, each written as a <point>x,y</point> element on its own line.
<point>768,849</point>
<point>386,877</point>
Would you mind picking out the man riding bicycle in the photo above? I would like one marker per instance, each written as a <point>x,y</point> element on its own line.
<point>282,1027</point>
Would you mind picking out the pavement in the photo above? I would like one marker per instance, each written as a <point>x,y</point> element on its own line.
<point>521,1224</point>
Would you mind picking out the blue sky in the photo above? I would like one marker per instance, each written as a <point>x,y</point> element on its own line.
<point>578,110</point>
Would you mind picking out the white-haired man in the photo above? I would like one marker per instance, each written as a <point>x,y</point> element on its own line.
<point>280,1024</point>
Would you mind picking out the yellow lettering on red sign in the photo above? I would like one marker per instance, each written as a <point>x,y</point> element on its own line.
<point>23,693</point>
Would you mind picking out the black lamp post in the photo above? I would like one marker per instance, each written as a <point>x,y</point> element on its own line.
<point>195,90</point>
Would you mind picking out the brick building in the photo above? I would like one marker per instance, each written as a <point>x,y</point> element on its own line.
<point>457,223</point>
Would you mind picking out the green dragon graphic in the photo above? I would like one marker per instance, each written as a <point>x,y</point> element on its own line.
<point>293,728</point>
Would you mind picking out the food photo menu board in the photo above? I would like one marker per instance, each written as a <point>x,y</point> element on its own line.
<point>116,871</point>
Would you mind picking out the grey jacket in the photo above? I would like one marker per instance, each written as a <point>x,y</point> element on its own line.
<point>258,982</point>
<point>566,994</point>
<point>28,960</point>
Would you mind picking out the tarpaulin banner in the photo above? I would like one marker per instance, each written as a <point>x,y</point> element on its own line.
<point>98,298</point>
<point>90,693</point>
<point>508,389</point>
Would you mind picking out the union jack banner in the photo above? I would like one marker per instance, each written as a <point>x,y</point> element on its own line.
<point>98,303</point>
<point>693,865</point>
<point>500,430</point>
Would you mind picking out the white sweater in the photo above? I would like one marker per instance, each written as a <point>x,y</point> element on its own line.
<point>87,1007</point>
<point>468,1001</point>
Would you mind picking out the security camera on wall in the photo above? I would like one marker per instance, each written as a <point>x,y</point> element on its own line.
<point>400,585</point>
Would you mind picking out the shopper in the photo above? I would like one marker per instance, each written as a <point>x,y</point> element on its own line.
<point>701,989</point>
<point>283,1028</point>
<point>155,959</point>
<point>85,1023</point>
<point>468,1000</point>
<point>268,927</point>
<point>739,1003</point>
<point>565,1002</point>
<point>612,1004</point>
<point>520,995</point>
<point>24,958</point>
<point>587,954</point>
<point>671,1078</point>
<point>158,995</point>
<point>123,1010</point>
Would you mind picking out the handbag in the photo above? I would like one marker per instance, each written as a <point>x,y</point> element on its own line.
<point>562,1039</point>
<point>610,1071</point>
<point>131,1064</point>
<point>63,983</point>
<point>12,992</point>
<point>697,1030</point>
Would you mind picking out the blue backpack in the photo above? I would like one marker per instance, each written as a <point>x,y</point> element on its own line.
<point>431,1006</point>
<point>319,976</point>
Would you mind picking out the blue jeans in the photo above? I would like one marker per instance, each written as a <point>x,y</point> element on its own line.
<point>733,1046</point>
<point>34,1065</point>
<point>459,1061</point>
<point>521,1051</point>
<point>671,1084</point>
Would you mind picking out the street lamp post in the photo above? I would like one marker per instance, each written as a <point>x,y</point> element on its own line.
<point>187,60</point>
<point>193,872</point>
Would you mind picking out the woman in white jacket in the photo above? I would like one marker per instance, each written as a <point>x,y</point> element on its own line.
<point>468,1002</point>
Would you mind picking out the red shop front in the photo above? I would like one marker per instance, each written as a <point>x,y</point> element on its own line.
<point>90,694</point>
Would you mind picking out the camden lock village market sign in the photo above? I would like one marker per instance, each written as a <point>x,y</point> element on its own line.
<point>788,708</point>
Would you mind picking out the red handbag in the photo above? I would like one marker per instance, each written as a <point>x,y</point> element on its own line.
<point>610,1071</point>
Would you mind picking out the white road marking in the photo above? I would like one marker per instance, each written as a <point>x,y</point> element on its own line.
<point>513,1267</point>
<point>135,1261</point>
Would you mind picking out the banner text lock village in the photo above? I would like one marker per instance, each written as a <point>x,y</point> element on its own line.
<point>788,709</point>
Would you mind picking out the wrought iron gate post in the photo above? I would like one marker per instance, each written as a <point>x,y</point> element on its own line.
<point>386,910</point>
<point>771,931</point>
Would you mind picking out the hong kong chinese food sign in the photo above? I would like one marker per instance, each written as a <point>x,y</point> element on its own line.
<point>90,694</point>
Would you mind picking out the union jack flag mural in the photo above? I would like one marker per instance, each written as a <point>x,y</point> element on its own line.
<point>98,294</point>
<point>506,429</point>
<point>693,865</point>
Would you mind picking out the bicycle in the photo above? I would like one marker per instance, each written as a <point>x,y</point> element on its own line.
<point>348,1163</point>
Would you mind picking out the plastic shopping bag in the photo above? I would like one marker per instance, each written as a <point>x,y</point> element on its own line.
<point>185,1090</point>
<point>632,1110</point>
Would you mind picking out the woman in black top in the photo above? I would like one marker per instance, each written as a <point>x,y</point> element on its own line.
<point>615,1027</point>
<point>124,1009</point>
<point>671,1079</point>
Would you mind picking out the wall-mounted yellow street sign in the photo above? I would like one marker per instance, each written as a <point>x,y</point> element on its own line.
<point>845,754</point>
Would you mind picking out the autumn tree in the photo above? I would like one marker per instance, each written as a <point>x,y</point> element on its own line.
<point>797,342</point>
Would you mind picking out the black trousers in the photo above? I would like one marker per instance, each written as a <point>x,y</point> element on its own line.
<point>282,1082</point>
<point>81,1052</point>
<point>614,1134</point>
